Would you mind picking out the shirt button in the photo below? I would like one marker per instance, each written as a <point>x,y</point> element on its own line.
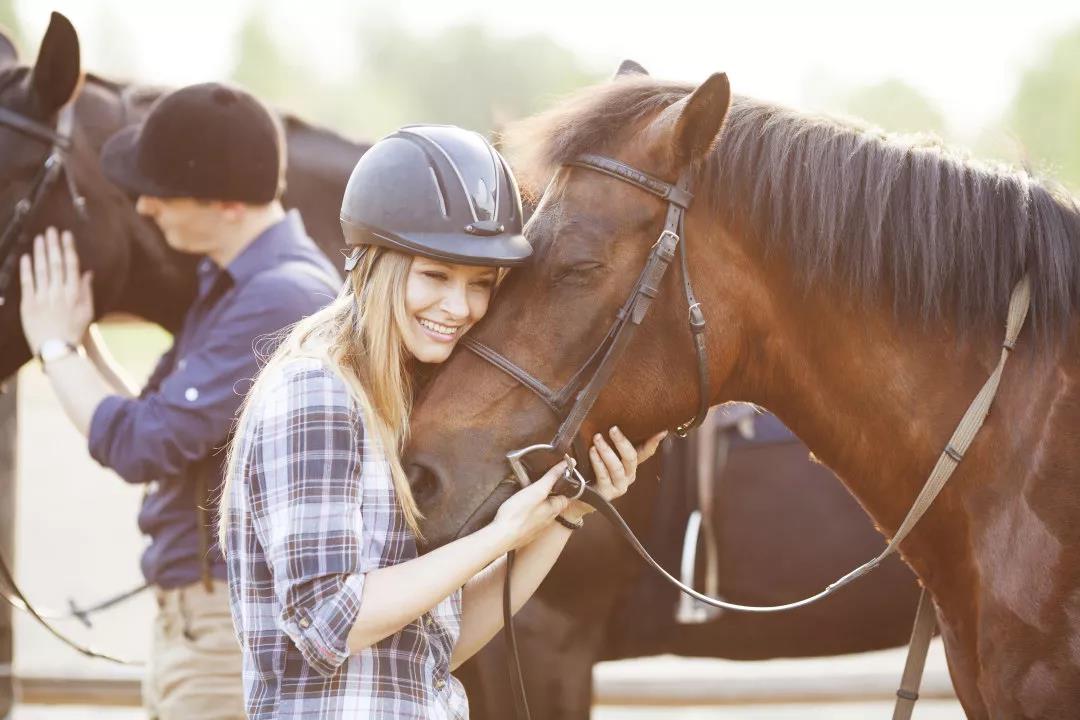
<point>305,622</point>
<point>439,683</point>
<point>191,394</point>
<point>431,623</point>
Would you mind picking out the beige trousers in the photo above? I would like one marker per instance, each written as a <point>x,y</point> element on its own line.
<point>194,667</point>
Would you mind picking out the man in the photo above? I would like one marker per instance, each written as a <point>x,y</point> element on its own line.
<point>208,167</point>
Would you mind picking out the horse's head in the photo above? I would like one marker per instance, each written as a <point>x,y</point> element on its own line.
<point>34,99</point>
<point>592,236</point>
<point>31,98</point>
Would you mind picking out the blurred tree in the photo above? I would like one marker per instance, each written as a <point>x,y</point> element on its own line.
<point>463,75</point>
<point>1045,113</point>
<point>9,21</point>
<point>263,68</point>
<point>107,49</point>
<point>895,106</point>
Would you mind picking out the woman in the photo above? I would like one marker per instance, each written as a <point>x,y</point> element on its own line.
<point>337,615</point>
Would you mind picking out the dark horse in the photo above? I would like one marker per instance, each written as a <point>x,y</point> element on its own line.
<point>136,272</point>
<point>856,285</point>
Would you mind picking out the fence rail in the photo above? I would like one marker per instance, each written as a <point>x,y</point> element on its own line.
<point>612,687</point>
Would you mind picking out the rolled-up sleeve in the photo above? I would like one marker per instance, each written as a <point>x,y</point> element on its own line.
<point>189,415</point>
<point>305,501</point>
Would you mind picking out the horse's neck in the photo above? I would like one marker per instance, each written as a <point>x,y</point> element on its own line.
<point>874,398</point>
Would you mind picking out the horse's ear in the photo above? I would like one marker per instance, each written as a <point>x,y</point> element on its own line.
<point>629,67</point>
<point>56,73</point>
<point>700,117</point>
<point>9,54</point>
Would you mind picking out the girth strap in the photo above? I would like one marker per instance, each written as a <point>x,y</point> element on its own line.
<point>921,634</point>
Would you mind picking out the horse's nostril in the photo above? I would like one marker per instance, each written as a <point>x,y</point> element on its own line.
<point>424,484</point>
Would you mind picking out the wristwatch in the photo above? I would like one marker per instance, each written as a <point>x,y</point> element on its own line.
<point>569,524</point>
<point>54,349</point>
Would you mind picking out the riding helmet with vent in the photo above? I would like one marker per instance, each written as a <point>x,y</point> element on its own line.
<point>438,191</point>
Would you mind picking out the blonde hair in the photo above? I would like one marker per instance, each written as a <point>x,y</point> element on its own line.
<point>357,336</point>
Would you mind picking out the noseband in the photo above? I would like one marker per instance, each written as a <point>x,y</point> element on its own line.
<point>573,402</point>
<point>13,240</point>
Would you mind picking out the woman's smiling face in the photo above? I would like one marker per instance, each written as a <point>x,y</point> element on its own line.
<point>442,301</point>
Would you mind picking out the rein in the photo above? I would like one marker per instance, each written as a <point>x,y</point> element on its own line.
<point>602,362</point>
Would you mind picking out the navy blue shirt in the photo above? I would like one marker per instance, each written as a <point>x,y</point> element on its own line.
<point>173,435</point>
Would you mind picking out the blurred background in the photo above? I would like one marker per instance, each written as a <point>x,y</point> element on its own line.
<point>1001,80</point>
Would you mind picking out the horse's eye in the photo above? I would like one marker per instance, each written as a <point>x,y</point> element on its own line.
<point>579,273</point>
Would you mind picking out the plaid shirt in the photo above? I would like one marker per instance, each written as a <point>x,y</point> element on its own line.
<point>311,510</point>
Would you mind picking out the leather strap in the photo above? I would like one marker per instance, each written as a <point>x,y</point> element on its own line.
<point>697,334</point>
<point>517,681</point>
<point>14,238</point>
<point>34,129</point>
<point>20,602</point>
<point>921,634</point>
<point>677,194</point>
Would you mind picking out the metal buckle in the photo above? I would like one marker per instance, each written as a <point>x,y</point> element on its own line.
<point>667,233</point>
<point>353,259</point>
<point>571,474</point>
<point>516,457</point>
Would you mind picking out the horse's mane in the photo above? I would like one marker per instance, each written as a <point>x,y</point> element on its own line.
<point>946,235</point>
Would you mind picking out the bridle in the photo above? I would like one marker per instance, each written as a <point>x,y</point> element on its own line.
<point>13,241</point>
<point>14,238</point>
<point>573,402</point>
<point>602,363</point>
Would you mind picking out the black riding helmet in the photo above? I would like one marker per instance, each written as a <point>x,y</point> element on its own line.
<point>437,191</point>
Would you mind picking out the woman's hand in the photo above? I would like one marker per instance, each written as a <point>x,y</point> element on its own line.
<point>530,510</point>
<point>614,472</point>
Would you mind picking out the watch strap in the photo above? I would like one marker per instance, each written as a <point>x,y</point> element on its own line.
<point>55,349</point>
<point>568,524</point>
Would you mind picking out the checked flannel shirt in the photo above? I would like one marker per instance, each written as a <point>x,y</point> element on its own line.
<point>311,510</point>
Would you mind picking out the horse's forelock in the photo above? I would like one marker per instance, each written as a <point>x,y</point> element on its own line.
<point>592,120</point>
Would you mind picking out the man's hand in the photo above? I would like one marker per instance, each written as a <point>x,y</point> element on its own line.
<point>56,300</point>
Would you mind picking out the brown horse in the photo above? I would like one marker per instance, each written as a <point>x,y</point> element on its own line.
<point>136,272</point>
<point>853,283</point>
